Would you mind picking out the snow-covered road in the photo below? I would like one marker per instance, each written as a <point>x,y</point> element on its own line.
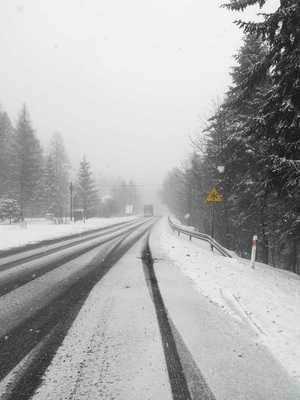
<point>18,269</point>
<point>170,327</point>
<point>37,230</point>
<point>43,298</point>
<point>113,350</point>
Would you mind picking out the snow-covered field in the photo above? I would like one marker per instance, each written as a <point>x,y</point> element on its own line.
<point>42,229</point>
<point>267,299</point>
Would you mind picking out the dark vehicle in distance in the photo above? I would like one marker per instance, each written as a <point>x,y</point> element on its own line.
<point>148,210</point>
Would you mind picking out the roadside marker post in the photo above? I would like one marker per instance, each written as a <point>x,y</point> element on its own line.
<point>187,217</point>
<point>253,252</point>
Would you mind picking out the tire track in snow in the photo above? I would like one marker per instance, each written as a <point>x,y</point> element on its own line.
<point>16,277</point>
<point>187,382</point>
<point>179,386</point>
<point>37,246</point>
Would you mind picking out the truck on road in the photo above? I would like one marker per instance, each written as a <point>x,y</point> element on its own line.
<point>148,210</point>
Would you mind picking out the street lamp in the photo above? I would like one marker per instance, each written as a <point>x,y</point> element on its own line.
<point>221,168</point>
<point>71,201</point>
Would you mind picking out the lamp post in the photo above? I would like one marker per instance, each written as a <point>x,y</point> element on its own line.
<point>71,201</point>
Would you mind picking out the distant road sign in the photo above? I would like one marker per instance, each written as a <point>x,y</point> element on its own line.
<point>214,197</point>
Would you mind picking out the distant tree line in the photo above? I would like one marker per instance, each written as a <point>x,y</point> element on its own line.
<point>36,183</point>
<point>255,135</point>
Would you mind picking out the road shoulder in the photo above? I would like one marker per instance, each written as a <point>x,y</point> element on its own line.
<point>228,351</point>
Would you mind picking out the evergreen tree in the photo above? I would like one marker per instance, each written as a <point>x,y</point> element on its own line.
<point>56,178</point>
<point>245,155</point>
<point>49,187</point>
<point>255,135</point>
<point>6,154</point>
<point>87,196</point>
<point>232,142</point>
<point>277,124</point>
<point>278,121</point>
<point>9,209</point>
<point>28,165</point>
<point>61,176</point>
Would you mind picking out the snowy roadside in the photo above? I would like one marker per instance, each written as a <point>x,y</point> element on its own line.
<point>41,229</point>
<point>266,298</point>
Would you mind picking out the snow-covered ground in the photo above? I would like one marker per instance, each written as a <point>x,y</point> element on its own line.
<point>265,298</point>
<point>42,229</point>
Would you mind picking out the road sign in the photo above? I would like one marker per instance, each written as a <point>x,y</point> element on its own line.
<point>214,197</point>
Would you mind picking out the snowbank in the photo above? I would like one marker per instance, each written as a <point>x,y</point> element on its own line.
<point>42,229</point>
<point>266,298</point>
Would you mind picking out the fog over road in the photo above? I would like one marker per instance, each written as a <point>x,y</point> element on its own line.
<point>117,79</point>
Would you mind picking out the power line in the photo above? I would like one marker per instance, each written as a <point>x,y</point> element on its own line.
<point>128,185</point>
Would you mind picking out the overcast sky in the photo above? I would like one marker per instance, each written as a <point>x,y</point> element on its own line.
<point>125,82</point>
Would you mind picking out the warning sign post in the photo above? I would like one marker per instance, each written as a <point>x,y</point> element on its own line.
<point>213,198</point>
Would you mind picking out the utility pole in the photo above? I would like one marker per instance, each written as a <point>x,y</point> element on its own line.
<point>71,201</point>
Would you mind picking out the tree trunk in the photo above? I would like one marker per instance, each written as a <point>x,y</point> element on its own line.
<point>264,242</point>
<point>293,255</point>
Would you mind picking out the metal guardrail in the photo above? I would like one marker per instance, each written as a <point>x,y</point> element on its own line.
<point>202,236</point>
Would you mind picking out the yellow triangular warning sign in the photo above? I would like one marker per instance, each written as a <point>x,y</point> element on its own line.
<point>214,196</point>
